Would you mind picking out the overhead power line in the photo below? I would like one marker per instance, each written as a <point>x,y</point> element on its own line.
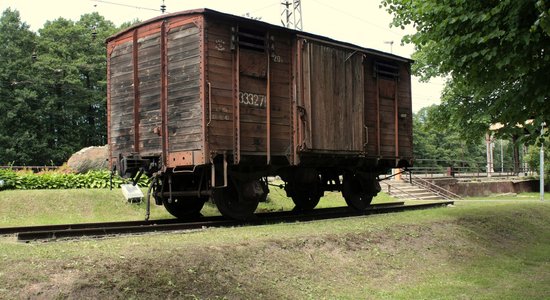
<point>265,7</point>
<point>125,5</point>
<point>358,18</point>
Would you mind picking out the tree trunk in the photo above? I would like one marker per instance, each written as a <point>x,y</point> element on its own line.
<point>516,154</point>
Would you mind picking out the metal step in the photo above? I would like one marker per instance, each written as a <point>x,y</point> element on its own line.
<point>406,191</point>
<point>417,195</point>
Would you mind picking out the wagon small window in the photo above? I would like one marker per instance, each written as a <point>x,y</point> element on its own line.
<point>252,39</point>
<point>386,70</point>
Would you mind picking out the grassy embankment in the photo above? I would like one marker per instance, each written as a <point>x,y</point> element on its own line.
<point>496,250</point>
<point>36,207</point>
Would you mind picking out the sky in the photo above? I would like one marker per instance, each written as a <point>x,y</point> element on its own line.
<point>360,22</point>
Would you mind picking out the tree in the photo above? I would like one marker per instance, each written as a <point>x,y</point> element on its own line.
<point>435,142</point>
<point>495,55</point>
<point>19,105</point>
<point>52,88</point>
<point>72,64</point>
<point>129,24</point>
<point>544,17</point>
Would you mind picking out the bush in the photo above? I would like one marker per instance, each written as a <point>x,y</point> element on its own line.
<point>26,180</point>
<point>9,179</point>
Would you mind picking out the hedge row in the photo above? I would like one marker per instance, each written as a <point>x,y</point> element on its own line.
<point>55,180</point>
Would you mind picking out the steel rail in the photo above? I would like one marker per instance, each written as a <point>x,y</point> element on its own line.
<point>138,227</point>
<point>14,230</point>
<point>55,227</point>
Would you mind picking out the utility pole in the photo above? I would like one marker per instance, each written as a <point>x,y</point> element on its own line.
<point>291,14</point>
<point>541,173</point>
<point>501,158</point>
<point>489,146</point>
<point>162,7</point>
<point>391,45</point>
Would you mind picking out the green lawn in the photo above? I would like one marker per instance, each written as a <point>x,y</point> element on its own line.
<point>36,207</point>
<point>522,196</point>
<point>473,250</point>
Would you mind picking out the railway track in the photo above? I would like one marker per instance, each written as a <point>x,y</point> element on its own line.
<point>64,231</point>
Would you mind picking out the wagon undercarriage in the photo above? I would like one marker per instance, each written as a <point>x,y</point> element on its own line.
<point>237,190</point>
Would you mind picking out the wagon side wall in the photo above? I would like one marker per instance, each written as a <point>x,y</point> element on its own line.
<point>250,91</point>
<point>219,64</point>
<point>354,102</point>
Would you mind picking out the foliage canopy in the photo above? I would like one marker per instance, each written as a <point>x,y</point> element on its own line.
<point>495,54</point>
<point>434,142</point>
<point>52,88</point>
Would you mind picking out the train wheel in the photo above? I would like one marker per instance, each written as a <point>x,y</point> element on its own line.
<point>184,207</point>
<point>305,202</point>
<point>239,206</point>
<point>305,197</point>
<point>304,188</point>
<point>356,194</point>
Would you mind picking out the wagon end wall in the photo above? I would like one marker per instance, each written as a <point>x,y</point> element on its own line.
<point>156,91</point>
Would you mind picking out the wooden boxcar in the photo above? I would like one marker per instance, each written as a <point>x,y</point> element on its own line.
<point>210,104</point>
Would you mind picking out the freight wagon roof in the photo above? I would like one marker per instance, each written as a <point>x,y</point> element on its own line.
<point>217,14</point>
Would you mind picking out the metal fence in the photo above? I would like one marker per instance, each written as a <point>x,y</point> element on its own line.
<point>35,169</point>
<point>457,168</point>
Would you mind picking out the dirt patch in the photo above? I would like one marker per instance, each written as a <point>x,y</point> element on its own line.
<point>53,288</point>
<point>271,269</point>
<point>330,265</point>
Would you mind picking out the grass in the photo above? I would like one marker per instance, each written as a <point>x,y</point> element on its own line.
<point>521,196</point>
<point>481,250</point>
<point>37,207</point>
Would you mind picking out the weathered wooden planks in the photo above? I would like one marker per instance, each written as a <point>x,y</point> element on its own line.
<point>184,102</point>
<point>322,95</point>
<point>121,99</point>
<point>253,73</point>
<point>220,68</point>
<point>149,73</point>
<point>381,93</point>
<point>335,98</point>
